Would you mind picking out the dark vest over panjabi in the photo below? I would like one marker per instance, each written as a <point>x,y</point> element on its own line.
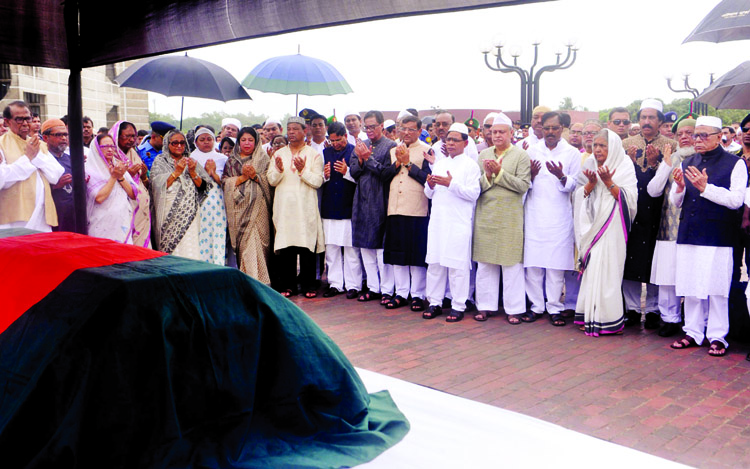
<point>702,222</point>
<point>338,193</point>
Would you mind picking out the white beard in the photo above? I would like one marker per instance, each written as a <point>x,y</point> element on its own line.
<point>684,152</point>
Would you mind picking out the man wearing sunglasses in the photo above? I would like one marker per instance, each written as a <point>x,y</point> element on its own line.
<point>709,186</point>
<point>26,172</point>
<point>646,151</point>
<point>619,122</point>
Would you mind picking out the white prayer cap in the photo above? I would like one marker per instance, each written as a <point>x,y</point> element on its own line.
<point>711,121</point>
<point>351,113</point>
<point>403,114</point>
<point>204,130</point>
<point>501,118</point>
<point>273,120</point>
<point>652,104</point>
<point>460,128</point>
<point>388,123</point>
<point>231,121</point>
<point>490,117</point>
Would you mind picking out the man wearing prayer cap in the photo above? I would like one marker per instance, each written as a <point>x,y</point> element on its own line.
<point>498,224</point>
<point>353,123</point>
<point>55,135</point>
<point>389,129</point>
<point>152,145</point>
<point>26,172</point>
<point>489,120</point>
<point>443,122</point>
<point>646,150</point>
<point>454,188</point>
<point>670,118</point>
<point>536,133</point>
<point>709,186</point>
<point>230,127</point>
<point>663,267</point>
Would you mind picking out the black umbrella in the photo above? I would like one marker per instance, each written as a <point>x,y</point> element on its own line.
<point>180,75</point>
<point>728,21</point>
<point>729,91</point>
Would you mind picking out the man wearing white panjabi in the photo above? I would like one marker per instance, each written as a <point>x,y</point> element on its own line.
<point>663,267</point>
<point>454,189</point>
<point>548,220</point>
<point>26,172</point>
<point>710,187</point>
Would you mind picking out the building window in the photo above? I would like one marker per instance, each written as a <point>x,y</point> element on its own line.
<point>4,79</point>
<point>113,115</point>
<point>36,104</point>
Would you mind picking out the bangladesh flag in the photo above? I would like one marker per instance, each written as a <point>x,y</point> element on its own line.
<point>121,357</point>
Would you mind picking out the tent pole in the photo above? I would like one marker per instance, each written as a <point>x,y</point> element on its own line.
<point>296,104</point>
<point>182,106</point>
<point>75,116</point>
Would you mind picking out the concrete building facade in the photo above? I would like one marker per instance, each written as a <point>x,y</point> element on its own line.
<point>46,92</point>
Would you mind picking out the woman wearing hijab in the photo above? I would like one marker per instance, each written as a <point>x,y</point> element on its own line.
<point>213,216</point>
<point>124,135</point>
<point>179,186</point>
<point>248,200</point>
<point>111,193</point>
<point>605,207</point>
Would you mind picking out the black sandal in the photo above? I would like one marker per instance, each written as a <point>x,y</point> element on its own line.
<point>417,304</point>
<point>557,320</point>
<point>396,302</point>
<point>385,299</point>
<point>514,319</point>
<point>368,295</point>
<point>454,316</point>
<point>530,317</point>
<point>432,312</point>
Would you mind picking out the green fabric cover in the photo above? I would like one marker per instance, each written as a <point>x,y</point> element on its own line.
<point>175,363</point>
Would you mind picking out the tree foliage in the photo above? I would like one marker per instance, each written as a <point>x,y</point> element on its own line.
<point>682,106</point>
<point>209,118</point>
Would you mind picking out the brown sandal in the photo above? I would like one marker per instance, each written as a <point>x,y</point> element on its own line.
<point>685,342</point>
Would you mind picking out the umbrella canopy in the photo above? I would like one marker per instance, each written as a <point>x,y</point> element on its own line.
<point>728,21</point>
<point>180,75</point>
<point>730,91</point>
<point>297,74</point>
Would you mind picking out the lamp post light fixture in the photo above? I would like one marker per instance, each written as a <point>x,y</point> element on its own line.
<point>529,78</point>
<point>700,108</point>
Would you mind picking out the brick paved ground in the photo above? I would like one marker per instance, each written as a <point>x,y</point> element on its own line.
<point>632,389</point>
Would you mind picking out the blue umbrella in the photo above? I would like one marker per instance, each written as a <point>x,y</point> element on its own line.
<point>180,75</point>
<point>297,74</point>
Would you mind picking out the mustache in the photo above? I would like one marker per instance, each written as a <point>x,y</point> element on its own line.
<point>647,126</point>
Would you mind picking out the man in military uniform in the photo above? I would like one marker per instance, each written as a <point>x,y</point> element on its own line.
<point>473,126</point>
<point>645,150</point>
<point>151,146</point>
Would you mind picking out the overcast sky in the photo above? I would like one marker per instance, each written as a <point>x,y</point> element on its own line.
<point>627,48</point>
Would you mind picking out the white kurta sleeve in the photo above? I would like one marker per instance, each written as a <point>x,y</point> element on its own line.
<point>312,173</point>
<point>274,175</point>
<point>734,196</point>
<point>468,188</point>
<point>48,165</point>
<point>19,170</point>
<point>657,184</point>
<point>574,167</point>
<point>676,197</point>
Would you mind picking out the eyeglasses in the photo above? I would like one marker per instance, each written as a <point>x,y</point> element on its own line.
<point>589,134</point>
<point>487,126</point>
<point>745,130</point>
<point>21,120</point>
<point>107,147</point>
<point>372,127</point>
<point>181,143</point>
<point>453,140</point>
<point>408,129</point>
<point>621,121</point>
<point>576,132</point>
<point>552,128</point>
<point>59,135</point>
<point>442,124</point>
<point>704,135</point>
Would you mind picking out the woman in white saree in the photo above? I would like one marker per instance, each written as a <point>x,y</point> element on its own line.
<point>111,193</point>
<point>605,205</point>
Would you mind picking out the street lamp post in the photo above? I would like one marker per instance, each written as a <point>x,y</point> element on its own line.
<point>700,108</point>
<point>529,78</point>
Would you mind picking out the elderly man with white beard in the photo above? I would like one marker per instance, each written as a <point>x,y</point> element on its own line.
<point>663,268</point>
<point>709,186</point>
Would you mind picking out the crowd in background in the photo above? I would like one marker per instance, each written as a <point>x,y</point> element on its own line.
<point>608,224</point>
